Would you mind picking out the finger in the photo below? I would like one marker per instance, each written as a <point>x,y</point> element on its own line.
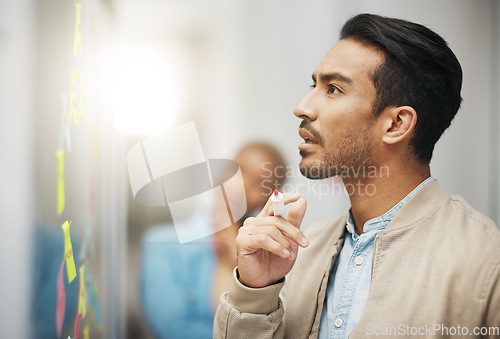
<point>248,221</point>
<point>252,227</point>
<point>250,243</point>
<point>297,212</point>
<point>287,198</point>
<point>272,232</point>
<point>290,231</point>
<point>296,215</point>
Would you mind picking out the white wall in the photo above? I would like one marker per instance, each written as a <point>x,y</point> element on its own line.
<point>16,169</point>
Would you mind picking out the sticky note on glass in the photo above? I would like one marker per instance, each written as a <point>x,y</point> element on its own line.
<point>82,304</point>
<point>68,252</point>
<point>61,301</point>
<point>77,326</point>
<point>77,46</point>
<point>61,199</point>
<point>72,100</point>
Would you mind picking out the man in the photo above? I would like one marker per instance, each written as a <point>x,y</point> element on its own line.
<point>407,259</point>
<point>181,284</point>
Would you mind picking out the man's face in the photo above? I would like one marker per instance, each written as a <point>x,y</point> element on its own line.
<point>338,120</point>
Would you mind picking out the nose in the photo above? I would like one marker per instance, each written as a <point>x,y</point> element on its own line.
<point>306,108</point>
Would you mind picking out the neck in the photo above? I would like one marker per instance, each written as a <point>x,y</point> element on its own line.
<point>373,195</point>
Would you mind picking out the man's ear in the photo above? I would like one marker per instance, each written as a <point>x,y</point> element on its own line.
<point>398,123</point>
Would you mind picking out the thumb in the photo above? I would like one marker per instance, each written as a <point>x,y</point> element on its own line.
<point>297,212</point>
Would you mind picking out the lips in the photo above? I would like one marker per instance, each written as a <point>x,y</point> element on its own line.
<point>307,136</point>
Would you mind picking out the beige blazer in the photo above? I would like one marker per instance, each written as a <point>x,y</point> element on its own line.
<point>436,273</point>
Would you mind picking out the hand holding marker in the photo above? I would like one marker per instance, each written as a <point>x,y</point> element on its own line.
<point>267,246</point>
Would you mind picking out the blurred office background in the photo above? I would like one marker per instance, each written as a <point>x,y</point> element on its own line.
<point>235,68</point>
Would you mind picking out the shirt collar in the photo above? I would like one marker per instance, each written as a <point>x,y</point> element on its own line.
<point>379,223</point>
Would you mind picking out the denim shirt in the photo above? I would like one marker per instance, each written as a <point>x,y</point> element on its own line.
<point>350,278</point>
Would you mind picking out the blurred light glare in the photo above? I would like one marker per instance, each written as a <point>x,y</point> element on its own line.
<point>145,98</point>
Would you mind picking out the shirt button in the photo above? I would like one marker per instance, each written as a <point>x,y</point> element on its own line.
<point>338,322</point>
<point>358,260</point>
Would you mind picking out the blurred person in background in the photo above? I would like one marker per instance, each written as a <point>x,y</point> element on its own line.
<point>180,284</point>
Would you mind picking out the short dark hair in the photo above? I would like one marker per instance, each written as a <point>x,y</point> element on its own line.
<point>419,70</point>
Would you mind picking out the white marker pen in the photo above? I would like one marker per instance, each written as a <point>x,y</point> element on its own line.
<point>278,204</point>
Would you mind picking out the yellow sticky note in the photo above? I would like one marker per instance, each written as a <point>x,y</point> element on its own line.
<point>68,252</point>
<point>86,332</point>
<point>82,305</point>
<point>77,46</point>
<point>72,100</point>
<point>82,108</point>
<point>61,199</point>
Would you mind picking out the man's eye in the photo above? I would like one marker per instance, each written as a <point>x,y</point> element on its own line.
<point>332,89</point>
<point>313,86</point>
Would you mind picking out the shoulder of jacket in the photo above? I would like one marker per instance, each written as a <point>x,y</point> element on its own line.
<point>474,217</point>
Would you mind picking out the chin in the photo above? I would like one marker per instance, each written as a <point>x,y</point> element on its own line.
<point>310,169</point>
<point>316,169</point>
<point>305,163</point>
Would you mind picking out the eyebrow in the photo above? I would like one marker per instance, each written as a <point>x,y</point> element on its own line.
<point>326,77</point>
